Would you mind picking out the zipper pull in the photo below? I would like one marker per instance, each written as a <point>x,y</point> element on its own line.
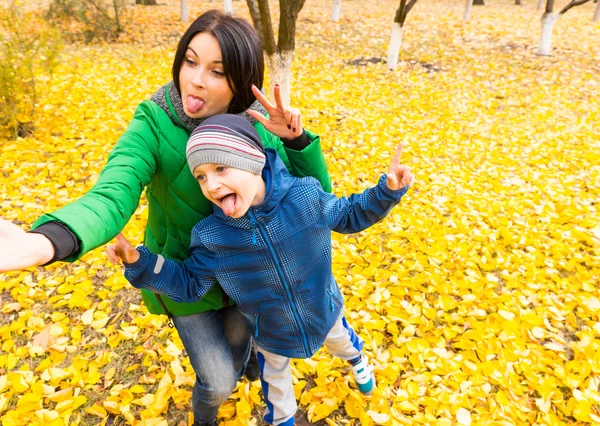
<point>256,325</point>
<point>253,223</point>
<point>330,299</point>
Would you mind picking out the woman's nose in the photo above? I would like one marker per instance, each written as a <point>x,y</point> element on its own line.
<point>198,79</point>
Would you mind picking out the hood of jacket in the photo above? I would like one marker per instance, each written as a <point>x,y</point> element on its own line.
<point>278,182</point>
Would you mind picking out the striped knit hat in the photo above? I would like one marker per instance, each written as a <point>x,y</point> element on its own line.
<point>226,139</point>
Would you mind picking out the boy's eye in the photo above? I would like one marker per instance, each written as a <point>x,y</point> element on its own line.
<point>200,178</point>
<point>221,169</point>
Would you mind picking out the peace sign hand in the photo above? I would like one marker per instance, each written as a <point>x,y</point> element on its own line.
<point>284,122</point>
<point>399,176</point>
<point>122,250</point>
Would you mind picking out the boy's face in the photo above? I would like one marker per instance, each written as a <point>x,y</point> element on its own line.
<point>231,189</point>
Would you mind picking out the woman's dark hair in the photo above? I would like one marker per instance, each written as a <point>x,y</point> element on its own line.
<point>243,62</point>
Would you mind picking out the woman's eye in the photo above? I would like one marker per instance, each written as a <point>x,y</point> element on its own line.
<point>190,62</point>
<point>219,73</point>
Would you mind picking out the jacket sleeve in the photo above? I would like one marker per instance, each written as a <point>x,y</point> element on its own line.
<point>102,213</point>
<point>360,211</point>
<point>309,161</point>
<point>183,282</point>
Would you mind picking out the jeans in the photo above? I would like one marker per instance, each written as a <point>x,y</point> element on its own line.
<point>218,344</point>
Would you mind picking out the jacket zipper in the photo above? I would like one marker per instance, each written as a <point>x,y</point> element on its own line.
<point>330,298</point>
<point>277,262</point>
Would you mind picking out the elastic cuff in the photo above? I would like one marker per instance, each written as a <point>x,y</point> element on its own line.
<point>297,144</point>
<point>64,241</point>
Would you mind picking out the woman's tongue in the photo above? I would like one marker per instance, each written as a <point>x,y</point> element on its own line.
<point>228,204</point>
<point>193,104</point>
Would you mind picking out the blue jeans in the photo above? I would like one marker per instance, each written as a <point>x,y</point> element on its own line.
<point>218,344</point>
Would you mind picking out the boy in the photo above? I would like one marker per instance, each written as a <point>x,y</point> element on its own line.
<point>268,244</point>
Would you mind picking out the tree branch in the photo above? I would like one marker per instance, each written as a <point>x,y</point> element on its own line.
<point>400,13</point>
<point>573,4</point>
<point>263,24</point>
<point>288,15</point>
<point>549,6</point>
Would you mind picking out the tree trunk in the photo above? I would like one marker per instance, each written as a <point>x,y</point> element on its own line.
<point>228,7</point>
<point>394,49</point>
<point>597,13</point>
<point>518,2</point>
<point>548,21</point>
<point>540,4</point>
<point>184,11</point>
<point>468,5</point>
<point>146,2</point>
<point>337,8</point>
<point>280,71</point>
<point>478,3</point>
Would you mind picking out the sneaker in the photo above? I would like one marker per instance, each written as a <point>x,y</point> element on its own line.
<point>363,375</point>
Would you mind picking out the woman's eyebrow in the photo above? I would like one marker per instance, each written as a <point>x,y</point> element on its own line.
<point>214,62</point>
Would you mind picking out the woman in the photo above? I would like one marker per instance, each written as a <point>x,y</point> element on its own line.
<point>217,63</point>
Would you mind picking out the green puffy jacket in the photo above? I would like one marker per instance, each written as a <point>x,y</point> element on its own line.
<point>151,155</point>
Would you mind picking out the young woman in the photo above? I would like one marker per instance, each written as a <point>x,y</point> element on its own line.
<point>217,63</point>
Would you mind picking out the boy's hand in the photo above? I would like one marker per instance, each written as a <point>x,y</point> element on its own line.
<point>284,122</point>
<point>122,250</point>
<point>399,176</point>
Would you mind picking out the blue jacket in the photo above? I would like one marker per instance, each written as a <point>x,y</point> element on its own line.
<point>275,261</point>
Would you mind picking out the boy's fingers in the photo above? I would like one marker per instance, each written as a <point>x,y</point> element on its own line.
<point>398,154</point>
<point>122,241</point>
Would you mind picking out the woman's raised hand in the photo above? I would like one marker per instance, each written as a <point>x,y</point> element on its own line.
<point>122,250</point>
<point>284,122</point>
<point>399,176</point>
<point>20,250</point>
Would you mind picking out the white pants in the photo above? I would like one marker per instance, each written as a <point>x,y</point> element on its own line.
<point>276,372</point>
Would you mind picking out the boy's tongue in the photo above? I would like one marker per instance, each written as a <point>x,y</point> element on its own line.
<point>193,104</point>
<point>228,204</point>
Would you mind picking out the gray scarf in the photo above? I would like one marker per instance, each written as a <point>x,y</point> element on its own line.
<point>182,118</point>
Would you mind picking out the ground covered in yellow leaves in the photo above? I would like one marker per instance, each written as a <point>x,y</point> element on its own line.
<point>477,298</point>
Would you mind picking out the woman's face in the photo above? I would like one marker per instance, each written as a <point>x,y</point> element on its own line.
<point>204,88</point>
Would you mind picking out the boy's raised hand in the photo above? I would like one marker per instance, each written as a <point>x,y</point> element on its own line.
<point>399,176</point>
<point>284,122</point>
<point>122,250</point>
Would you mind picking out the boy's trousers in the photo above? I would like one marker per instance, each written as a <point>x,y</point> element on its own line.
<point>276,372</point>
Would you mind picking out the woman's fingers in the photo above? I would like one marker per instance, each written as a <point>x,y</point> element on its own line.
<point>262,98</point>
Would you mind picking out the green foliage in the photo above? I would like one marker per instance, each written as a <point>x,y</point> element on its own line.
<point>91,19</point>
<point>29,51</point>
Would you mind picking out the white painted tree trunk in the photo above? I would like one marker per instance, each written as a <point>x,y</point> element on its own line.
<point>337,8</point>
<point>540,4</point>
<point>228,7</point>
<point>548,21</point>
<point>184,11</point>
<point>468,7</point>
<point>394,49</point>
<point>597,13</point>
<point>280,65</point>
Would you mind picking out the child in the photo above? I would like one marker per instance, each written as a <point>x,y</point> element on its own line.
<point>268,244</point>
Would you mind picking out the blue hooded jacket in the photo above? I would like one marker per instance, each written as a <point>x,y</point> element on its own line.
<point>275,261</point>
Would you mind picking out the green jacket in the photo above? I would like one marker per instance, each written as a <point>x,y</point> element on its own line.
<point>151,154</point>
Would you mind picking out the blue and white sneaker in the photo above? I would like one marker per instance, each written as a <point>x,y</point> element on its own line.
<point>363,375</point>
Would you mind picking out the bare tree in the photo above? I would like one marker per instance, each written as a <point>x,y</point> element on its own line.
<point>337,8</point>
<point>278,55</point>
<point>597,12</point>
<point>478,3</point>
<point>228,7</point>
<point>540,4</point>
<point>396,38</point>
<point>184,11</point>
<point>468,6</point>
<point>548,21</point>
